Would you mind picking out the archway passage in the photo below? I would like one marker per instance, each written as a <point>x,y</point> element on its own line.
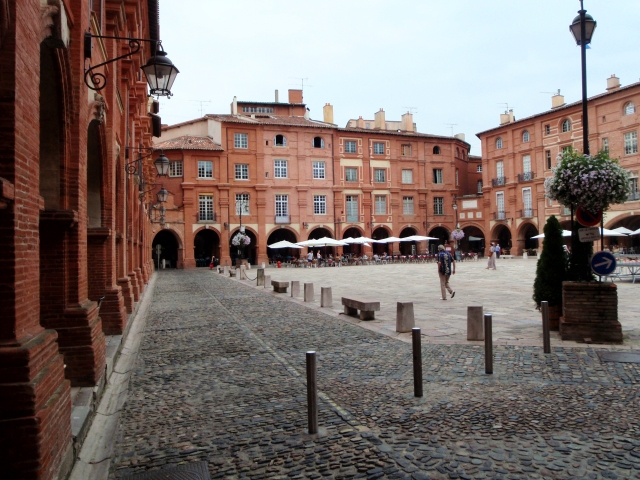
<point>168,249</point>
<point>525,242</point>
<point>473,241</point>
<point>502,235</point>
<point>627,244</point>
<point>352,248</point>
<point>380,233</point>
<point>282,254</point>
<point>408,248</point>
<point>206,244</point>
<point>442,234</point>
<point>249,252</point>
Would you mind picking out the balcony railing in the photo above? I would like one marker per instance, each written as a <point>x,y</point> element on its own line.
<point>526,177</point>
<point>527,213</point>
<point>282,219</point>
<point>499,182</point>
<point>500,215</point>
<point>566,211</point>
<point>207,218</point>
<point>353,218</point>
<point>633,196</point>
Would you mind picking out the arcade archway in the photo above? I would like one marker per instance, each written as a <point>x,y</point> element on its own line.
<point>380,233</point>
<point>473,241</point>
<point>502,235</point>
<point>629,243</point>
<point>283,254</point>
<point>168,249</point>
<point>206,243</point>
<point>442,234</point>
<point>249,252</point>
<point>408,248</point>
<point>352,248</point>
<point>525,242</point>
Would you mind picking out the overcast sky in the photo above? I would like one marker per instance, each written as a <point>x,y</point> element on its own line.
<point>451,61</point>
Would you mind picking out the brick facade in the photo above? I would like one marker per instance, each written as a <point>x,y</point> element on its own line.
<point>72,225</point>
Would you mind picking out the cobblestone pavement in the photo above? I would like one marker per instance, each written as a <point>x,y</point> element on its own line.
<point>221,378</point>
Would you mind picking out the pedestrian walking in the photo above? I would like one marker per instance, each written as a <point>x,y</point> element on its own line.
<point>446,268</point>
<point>492,257</point>
<point>498,250</point>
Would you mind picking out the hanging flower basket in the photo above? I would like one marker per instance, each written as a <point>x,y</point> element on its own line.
<point>457,234</point>
<point>240,240</point>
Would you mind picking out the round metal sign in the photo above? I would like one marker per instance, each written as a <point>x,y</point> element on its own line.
<point>587,218</point>
<point>603,263</point>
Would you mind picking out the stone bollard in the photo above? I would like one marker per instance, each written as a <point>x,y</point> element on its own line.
<point>243,272</point>
<point>405,320</point>
<point>325,297</point>
<point>263,265</point>
<point>267,281</point>
<point>226,271</point>
<point>295,288</point>
<point>475,327</point>
<point>308,292</point>
<point>260,277</point>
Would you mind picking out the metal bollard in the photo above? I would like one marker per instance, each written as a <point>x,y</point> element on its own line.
<point>488,344</point>
<point>546,339</point>
<point>312,393</point>
<point>417,361</point>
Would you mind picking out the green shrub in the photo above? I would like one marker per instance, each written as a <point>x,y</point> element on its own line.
<point>551,270</point>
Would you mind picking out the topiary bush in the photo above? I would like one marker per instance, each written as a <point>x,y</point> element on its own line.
<point>552,266</point>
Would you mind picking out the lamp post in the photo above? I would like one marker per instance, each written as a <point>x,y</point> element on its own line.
<point>582,29</point>
<point>455,209</point>
<point>240,206</point>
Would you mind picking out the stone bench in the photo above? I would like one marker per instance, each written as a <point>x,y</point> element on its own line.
<point>366,307</point>
<point>279,287</point>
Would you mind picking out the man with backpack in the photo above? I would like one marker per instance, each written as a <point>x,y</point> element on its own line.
<point>446,268</point>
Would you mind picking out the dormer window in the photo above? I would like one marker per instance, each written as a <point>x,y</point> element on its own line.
<point>566,126</point>
<point>499,143</point>
<point>525,136</point>
<point>280,141</point>
<point>436,150</point>
<point>318,142</point>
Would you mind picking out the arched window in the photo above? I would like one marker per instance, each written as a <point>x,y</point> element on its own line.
<point>318,142</point>
<point>566,126</point>
<point>629,108</point>
<point>499,143</point>
<point>280,141</point>
<point>525,136</point>
<point>479,186</point>
<point>436,150</point>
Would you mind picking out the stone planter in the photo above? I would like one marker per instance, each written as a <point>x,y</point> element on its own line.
<point>590,311</point>
<point>554,317</point>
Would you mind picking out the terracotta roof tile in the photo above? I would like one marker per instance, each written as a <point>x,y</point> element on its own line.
<point>271,120</point>
<point>189,142</point>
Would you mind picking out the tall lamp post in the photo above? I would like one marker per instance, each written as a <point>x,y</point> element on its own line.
<point>240,206</point>
<point>455,209</point>
<point>582,29</point>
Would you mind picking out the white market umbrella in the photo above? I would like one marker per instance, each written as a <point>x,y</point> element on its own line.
<point>390,240</point>
<point>360,241</point>
<point>611,233</point>
<point>624,230</point>
<point>565,233</point>
<point>284,244</point>
<point>322,242</point>
<point>418,238</point>
<point>635,232</point>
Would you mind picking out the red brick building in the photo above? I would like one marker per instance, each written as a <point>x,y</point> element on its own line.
<point>281,175</point>
<point>74,226</point>
<point>518,156</point>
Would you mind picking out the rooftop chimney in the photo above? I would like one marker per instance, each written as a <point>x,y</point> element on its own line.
<point>557,100</point>
<point>459,136</point>
<point>307,114</point>
<point>295,96</point>
<point>360,122</point>
<point>379,122</point>
<point>407,122</point>
<point>506,117</point>
<point>277,99</point>
<point>613,83</point>
<point>234,106</point>
<point>328,113</point>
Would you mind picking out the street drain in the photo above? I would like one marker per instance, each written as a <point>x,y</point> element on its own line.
<point>189,471</point>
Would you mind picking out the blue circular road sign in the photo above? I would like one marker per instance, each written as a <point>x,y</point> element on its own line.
<point>603,263</point>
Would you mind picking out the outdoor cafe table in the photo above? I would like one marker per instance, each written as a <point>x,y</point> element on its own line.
<point>627,269</point>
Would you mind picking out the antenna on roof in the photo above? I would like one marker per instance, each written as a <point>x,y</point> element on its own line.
<point>451,125</point>
<point>411,110</point>
<point>301,82</point>
<point>552,93</point>
<point>506,105</point>
<point>201,102</point>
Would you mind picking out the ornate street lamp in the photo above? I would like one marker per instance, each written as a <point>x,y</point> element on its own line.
<point>163,194</point>
<point>162,165</point>
<point>582,29</point>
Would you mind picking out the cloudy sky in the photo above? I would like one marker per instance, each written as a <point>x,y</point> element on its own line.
<point>450,61</point>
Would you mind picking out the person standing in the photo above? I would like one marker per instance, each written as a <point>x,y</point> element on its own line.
<point>446,268</point>
<point>310,257</point>
<point>492,257</point>
<point>498,250</point>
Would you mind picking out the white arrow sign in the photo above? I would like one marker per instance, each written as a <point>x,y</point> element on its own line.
<point>607,262</point>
